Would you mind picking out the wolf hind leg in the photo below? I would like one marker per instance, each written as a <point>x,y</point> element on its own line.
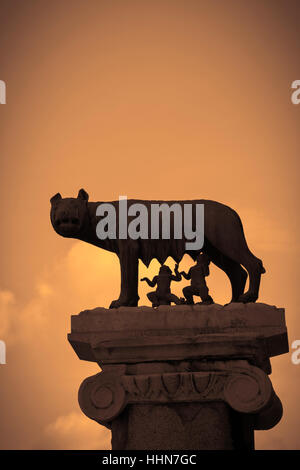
<point>235,272</point>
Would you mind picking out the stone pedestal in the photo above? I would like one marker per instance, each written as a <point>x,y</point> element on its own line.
<point>181,377</point>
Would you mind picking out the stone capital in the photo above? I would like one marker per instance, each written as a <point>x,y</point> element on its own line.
<point>245,388</point>
<point>206,357</point>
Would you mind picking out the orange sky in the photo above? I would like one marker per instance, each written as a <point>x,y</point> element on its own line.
<point>159,99</point>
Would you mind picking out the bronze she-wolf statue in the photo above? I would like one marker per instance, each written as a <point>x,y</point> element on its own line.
<point>224,243</point>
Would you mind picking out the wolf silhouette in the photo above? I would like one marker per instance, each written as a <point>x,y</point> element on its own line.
<point>224,243</point>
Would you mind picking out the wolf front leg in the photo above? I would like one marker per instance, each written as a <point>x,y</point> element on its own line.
<point>129,263</point>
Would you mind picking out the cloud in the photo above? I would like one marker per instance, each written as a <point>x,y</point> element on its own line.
<point>75,431</point>
<point>20,322</point>
<point>35,333</point>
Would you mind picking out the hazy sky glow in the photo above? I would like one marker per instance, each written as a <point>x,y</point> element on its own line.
<point>194,95</point>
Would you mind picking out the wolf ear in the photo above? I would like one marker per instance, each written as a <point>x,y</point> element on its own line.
<point>82,194</point>
<point>55,198</point>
